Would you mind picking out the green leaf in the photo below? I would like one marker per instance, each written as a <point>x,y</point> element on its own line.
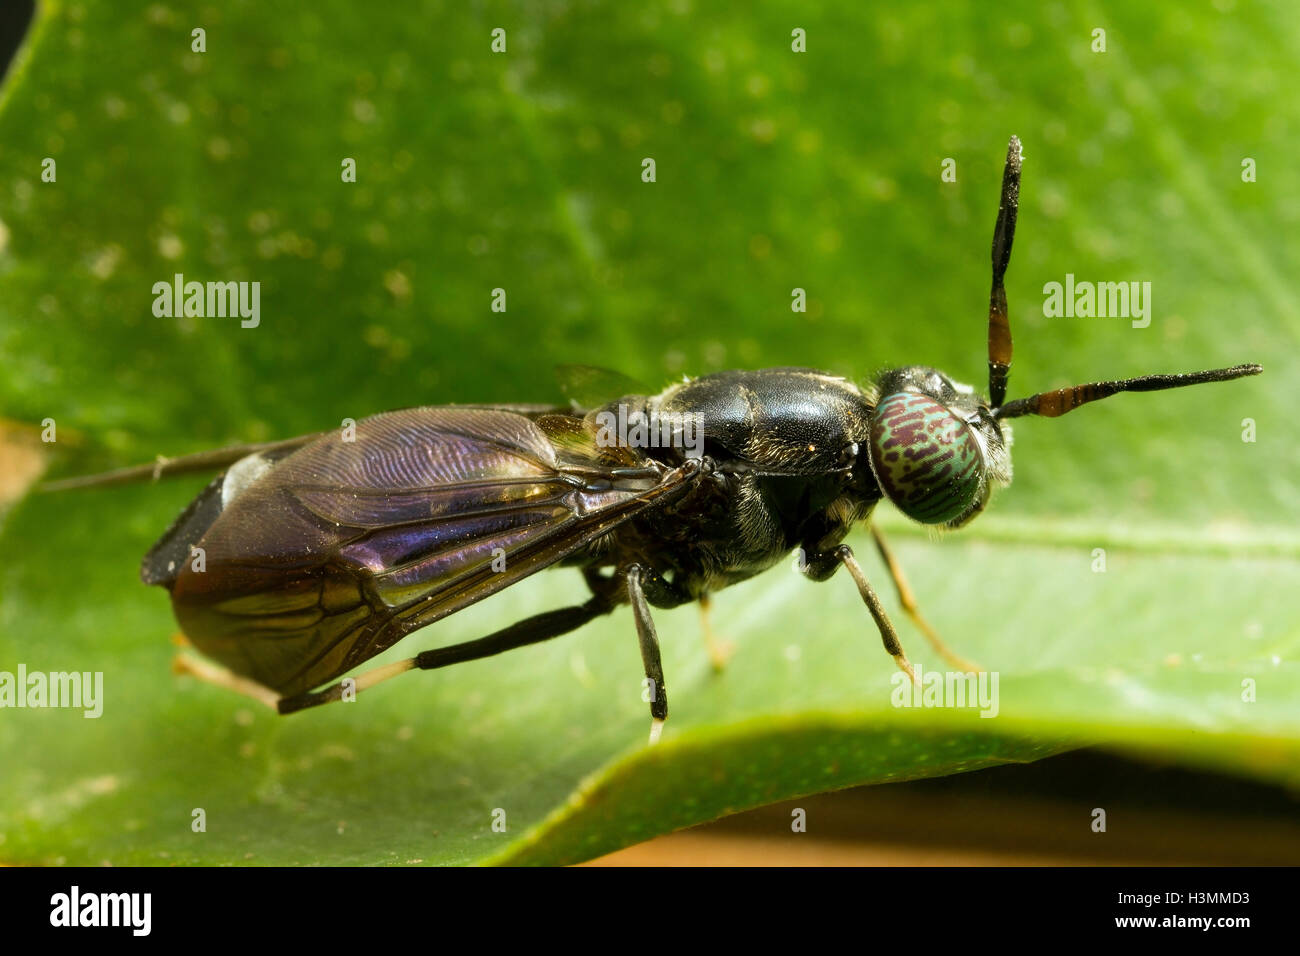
<point>522,171</point>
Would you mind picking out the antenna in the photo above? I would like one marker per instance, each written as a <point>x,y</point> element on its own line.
<point>1054,404</point>
<point>1003,233</point>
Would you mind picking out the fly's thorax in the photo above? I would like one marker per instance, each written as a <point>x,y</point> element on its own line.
<point>791,443</point>
<point>777,421</point>
<point>935,448</point>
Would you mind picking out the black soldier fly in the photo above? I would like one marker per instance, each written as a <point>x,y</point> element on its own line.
<point>306,558</point>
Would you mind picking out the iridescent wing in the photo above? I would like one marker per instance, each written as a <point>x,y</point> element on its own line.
<point>342,548</point>
<point>587,386</point>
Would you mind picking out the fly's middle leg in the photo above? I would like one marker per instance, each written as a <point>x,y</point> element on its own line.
<point>646,587</point>
<point>819,566</point>
<point>719,651</point>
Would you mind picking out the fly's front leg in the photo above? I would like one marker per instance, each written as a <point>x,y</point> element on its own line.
<point>645,586</point>
<point>819,566</point>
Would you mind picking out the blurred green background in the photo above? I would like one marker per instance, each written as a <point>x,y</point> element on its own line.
<point>522,170</point>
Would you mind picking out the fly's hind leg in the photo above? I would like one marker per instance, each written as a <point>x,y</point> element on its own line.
<point>213,673</point>
<point>908,600</point>
<point>220,676</point>
<point>533,630</point>
<point>719,651</point>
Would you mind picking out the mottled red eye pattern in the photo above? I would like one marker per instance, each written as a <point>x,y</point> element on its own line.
<point>926,459</point>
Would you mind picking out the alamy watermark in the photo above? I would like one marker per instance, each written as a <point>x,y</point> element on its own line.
<point>635,428</point>
<point>1102,300</point>
<point>132,911</point>
<point>947,689</point>
<point>208,300</point>
<point>78,690</point>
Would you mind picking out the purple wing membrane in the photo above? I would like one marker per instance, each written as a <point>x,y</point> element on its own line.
<point>344,547</point>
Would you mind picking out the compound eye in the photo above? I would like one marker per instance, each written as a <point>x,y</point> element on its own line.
<point>927,460</point>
